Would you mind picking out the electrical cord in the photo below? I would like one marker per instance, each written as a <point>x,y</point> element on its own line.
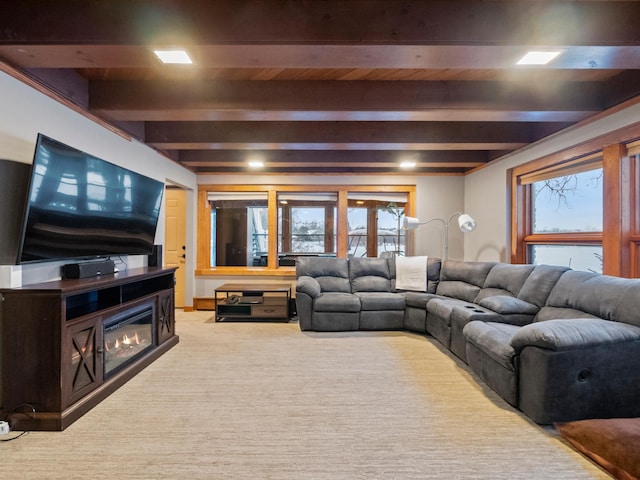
<point>15,411</point>
<point>118,261</point>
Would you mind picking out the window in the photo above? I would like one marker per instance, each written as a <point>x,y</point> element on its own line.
<point>577,257</point>
<point>306,225</point>
<point>579,207</point>
<point>239,229</point>
<point>390,233</point>
<point>564,222</point>
<point>266,227</point>
<point>570,203</point>
<point>566,205</point>
<point>375,221</point>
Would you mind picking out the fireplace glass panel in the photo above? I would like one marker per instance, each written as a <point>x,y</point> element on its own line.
<point>127,337</point>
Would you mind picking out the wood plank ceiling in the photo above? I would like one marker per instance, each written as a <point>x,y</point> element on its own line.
<point>330,86</point>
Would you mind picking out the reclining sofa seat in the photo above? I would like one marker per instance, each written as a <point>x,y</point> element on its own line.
<point>323,295</point>
<point>380,308</point>
<point>579,357</point>
<point>490,292</point>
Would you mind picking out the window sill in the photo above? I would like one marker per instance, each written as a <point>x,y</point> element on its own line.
<point>247,271</point>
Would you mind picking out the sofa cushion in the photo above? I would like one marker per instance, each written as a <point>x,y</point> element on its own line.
<point>417,299</point>
<point>574,333</point>
<point>539,283</point>
<point>463,280</point>
<point>507,277</point>
<point>331,273</point>
<point>337,302</point>
<point>491,292</point>
<point>588,292</point>
<point>474,273</point>
<point>506,305</point>
<point>494,340</point>
<point>629,306</point>
<point>369,275</point>
<point>459,290</point>
<point>380,301</point>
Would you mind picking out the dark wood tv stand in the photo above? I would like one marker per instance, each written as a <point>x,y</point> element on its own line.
<point>52,348</point>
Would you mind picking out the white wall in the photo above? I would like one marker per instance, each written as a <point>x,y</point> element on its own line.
<point>436,196</point>
<point>486,190</point>
<point>25,112</point>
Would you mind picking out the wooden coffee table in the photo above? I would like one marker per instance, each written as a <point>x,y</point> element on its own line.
<point>253,301</point>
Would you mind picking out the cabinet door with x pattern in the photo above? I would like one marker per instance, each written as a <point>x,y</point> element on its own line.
<point>82,368</point>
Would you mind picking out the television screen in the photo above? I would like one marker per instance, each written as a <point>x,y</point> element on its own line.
<point>79,206</point>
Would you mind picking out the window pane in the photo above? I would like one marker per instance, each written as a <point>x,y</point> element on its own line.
<point>578,257</point>
<point>306,225</point>
<point>572,203</point>
<point>375,223</point>
<point>239,229</point>
<point>307,230</point>
<point>357,220</point>
<point>390,232</point>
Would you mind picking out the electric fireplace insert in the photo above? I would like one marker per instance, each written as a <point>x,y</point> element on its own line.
<point>126,337</point>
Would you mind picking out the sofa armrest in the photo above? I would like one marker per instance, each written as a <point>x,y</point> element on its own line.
<point>567,334</point>
<point>308,285</point>
<point>506,305</point>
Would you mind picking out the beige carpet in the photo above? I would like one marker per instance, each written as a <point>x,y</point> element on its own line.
<point>267,401</point>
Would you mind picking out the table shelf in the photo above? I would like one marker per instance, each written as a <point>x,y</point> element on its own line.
<point>253,301</point>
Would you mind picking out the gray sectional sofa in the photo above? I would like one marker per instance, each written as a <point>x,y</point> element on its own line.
<point>558,344</point>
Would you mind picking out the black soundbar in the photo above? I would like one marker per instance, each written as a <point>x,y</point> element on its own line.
<point>88,269</point>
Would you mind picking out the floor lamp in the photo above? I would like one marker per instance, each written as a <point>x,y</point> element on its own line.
<point>465,222</point>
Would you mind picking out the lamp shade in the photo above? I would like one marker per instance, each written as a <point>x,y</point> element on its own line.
<point>410,223</point>
<point>466,223</point>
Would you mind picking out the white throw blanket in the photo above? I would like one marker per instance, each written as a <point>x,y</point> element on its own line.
<point>411,273</point>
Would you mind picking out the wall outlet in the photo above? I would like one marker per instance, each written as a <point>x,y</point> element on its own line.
<point>4,428</point>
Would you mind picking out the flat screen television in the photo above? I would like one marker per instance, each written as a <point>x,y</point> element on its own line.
<point>80,206</point>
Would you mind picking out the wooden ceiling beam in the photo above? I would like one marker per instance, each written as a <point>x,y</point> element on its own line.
<point>332,165</point>
<point>320,170</point>
<point>340,100</point>
<point>343,135</point>
<point>379,22</point>
<point>87,56</point>
<point>374,157</point>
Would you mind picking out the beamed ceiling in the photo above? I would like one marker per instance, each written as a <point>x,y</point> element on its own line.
<point>330,86</point>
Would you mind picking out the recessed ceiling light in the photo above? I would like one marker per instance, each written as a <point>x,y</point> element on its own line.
<point>256,163</point>
<point>407,164</point>
<point>173,56</point>
<point>538,58</point>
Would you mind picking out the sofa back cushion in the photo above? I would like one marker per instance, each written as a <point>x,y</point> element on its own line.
<point>599,295</point>
<point>463,280</point>
<point>433,273</point>
<point>331,273</point>
<point>539,283</point>
<point>369,275</point>
<point>505,279</point>
<point>629,305</point>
